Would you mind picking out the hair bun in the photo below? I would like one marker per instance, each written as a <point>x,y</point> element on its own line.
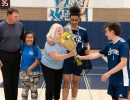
<point>74,11</point>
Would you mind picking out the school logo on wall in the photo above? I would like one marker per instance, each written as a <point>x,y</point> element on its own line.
<point>60,11</point>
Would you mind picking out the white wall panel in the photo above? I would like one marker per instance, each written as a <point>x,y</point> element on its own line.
<point>127,3</point>
<point>32,3</point>
<point>108,3</point>
<point>50,3</point>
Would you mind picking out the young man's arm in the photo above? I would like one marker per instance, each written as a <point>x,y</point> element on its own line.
<point>117,68</point>
<point>90,56</point>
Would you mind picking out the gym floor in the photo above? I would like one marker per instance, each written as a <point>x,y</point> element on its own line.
<point>90,86</point>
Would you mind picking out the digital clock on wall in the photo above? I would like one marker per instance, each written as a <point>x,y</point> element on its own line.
<point>4,4</point>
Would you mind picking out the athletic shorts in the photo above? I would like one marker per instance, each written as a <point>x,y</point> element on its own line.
<point>69,68</point>
<point>118,91</point>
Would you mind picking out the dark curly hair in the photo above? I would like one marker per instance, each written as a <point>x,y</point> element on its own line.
<point>74,11</point>
<point>115,26</point>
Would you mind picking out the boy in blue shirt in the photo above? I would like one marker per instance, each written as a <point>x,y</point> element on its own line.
<point>117,53</point>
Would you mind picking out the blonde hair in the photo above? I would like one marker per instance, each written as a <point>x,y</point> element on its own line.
<point>52,30</point>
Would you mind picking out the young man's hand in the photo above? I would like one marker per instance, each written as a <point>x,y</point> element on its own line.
<point>105,76</point>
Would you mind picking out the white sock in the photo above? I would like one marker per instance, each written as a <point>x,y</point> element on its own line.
<point>73,98</point>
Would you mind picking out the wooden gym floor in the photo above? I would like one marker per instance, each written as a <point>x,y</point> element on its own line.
<point>90,86</point>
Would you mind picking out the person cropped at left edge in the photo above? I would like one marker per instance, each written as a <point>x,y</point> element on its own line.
<point>11,33</point>
<point>30,67</point>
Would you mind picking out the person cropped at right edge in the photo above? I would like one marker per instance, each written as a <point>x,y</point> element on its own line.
<point>70,71</point>
<point>128,41</point>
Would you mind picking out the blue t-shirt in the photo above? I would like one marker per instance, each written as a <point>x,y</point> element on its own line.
<point>48,61</point>
<point>114,52</point>
<point>29,54</point>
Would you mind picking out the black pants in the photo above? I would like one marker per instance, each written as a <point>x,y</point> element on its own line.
<point>10,72</point>
<point>53,80</point>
